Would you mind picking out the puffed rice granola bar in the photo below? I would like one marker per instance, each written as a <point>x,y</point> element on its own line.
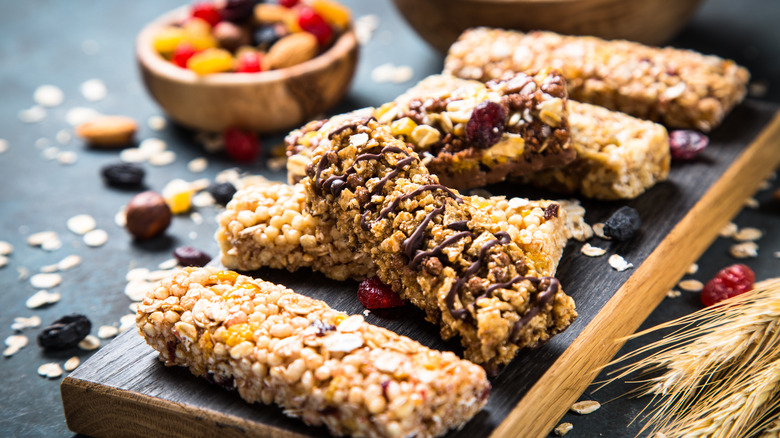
<point>444,255</point>
<point>679,88</point>
<point>318,364</point>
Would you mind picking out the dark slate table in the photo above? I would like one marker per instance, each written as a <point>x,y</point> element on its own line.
<point>67,43</point>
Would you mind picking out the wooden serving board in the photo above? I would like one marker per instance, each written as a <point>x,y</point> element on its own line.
<point>123,390</point>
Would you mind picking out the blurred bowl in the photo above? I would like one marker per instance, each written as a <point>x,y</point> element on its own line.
<point>265,102</point>
<point>653,22</point>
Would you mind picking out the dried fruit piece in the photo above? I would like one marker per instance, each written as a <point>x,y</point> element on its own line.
<point>332,12</point>
<point>206,11</point>
<point>686,144</point>
<point>288,3</point>
<point>374,294</point>
<point>108,131</point>
<point>222,192</point>
<point>147,215</point>
<point>184,51</point>
<point>167,39</point>
<point>249,62</point>
<point>211,61</point>
<point>486,125</point>
<point>624,224</point>
<point>311,21</point>
<point>728,282</point>
<point>189,256</point>
<point>65,332</point>
<point>123,175</point>
<point>237,11</point>
<point>242,146</point>
<point>264,37</point>
<point>229,36</point>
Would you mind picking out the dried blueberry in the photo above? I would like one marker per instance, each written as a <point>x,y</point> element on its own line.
<point>65,332</point>
<point>237,10</point>
<point>623,224</point>
<point>686,144</point>
<point>266,36</point>
<point>486,125</point>
<point>189,256</point>
<point>123,175</point>
<point>222,192</point>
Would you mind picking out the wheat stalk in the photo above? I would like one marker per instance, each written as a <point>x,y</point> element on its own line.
<point>718,374</point>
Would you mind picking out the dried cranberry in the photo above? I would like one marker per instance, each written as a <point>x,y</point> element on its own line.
<point>312,22</point>
<point>374,294</point>
<point>486,125</point>
<point>728,282</point>
<point>623,224</point>
<point>123,175</point>
<point>242,146</point>
<point>238,11</point>
<point>206,11</point>
<point>249,62</point>
<point>288,3</point>
<point>686,144</point>
<point>65,332</point>
<point>189,256</point>
<point>184,51</point>
<point>222,192</point>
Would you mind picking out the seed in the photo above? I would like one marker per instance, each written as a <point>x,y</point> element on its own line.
<point>52,245</point>
<point>203,199</point>
<point>585,407</point>
<point>67,157</point>
<point>14,344</point>
<point>593,251</point>
<point>42,298</point>
<point>198,165</point>
<point>126,322</point>
<point>748,234</point>
<point>619,263</point>
<point>93,90</point>
<point>673,293</point>
<point>78,115</point>
<point>694,268</point>
<point>45,280</point>
<point>137,274</point>
<point>89,343</point>
<point>132,155</point>
<point>6,248</point>
<point>69,262</point>
<point>598,230</point>
<point>72,363</point>
<point>48,96</point>
<point>751,203</point>
<point>729,230</point>
<point>691,285</point>
<point>157,123</point>
<point>50,370</point>
<point>38,239</point>
<point>81,224</point>
<point>120,218</point>
<point>137,290</point>
<point>163,158</point>
<point>563,429</point>
<point>107,331</point>
<point>168,264</point>
<point>96,238</point>
<point>744,250</point>
<point>21,323</point>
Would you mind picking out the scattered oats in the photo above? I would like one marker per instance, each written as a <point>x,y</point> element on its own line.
<point>744,250</point>
<point>694,268</point>
<point>14,344</point>
<point>198,165</point>
<point>228,175</point>
<point>200,184</point>
<point>777,254</point>
<point>51,370</point>
<point>91,342</point>
<point>765,185</point>
<point>78,115</point>
<point>168,264</point>
<point>563,429</point>
<point>203,199</point>
<point>598,230</point>
<point>132,155</point>
<point>157,123</point>
<point>50,153</point>
<point>71,364</point>
<point>196,217</point>
<point>193,235</point>
<point>618,263</point>
<point>748,234</point>
<point>127,321</point>
<point>758,89</point>
<point>96,238</point>
<point>107,331</point>
<point>120,218</point>
<point>67,157</point>
<point>364,27</point>
<point>48,96</point>
<point>136,290</point>
<point>45,280</point>
<point>3,261</point>
<point>6,248</point>
<point>93,90</point>
<point>50,268</point>
<point>81,224</point>
<point>32,115</point>
<point>90,47</point>
<point>585,407</point>
<point>42,143</point>
<point>137,274</point>
<point>576,226</point>
<point>691,285</point>
<point>729,230</point>
<point>63,137</point>
<point>276,164</point>
<point>350,324</point>
<point>673,293</point>
<point>212,142</point>
<point>751,203</point>
<point>69,262</point>
<point>358,139</point>
<point>52,245</point>
<point>42,298</point>
<point>593,251</point>
<point>3,145</point>
<point>342,342</point>
<point>20,322</point>
<point>152,146</point>
<point>391,73</point>
<point>163,158</point>
<point>22,272</point>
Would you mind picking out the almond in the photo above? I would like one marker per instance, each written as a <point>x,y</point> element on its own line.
<point>292,50</point>
<point>108,131</point>
<point>266,13</point>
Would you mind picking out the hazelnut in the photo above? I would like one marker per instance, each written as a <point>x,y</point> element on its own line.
<point>229,36</point>
<point>147,215</point>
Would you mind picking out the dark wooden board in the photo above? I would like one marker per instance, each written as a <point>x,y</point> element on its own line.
<point>124,390</point>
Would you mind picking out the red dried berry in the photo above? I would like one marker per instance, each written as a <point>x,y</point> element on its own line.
<point>242,146</point>
<point>686,144</point>
<point>189,256</point>
<point>288,3</point>
<point>374,294</point>
<point>312,22</point>
<point>206,11</point>
<point>728,282</point>
<point>486,125</point>
<point>183,53</point>
<point>249,62</point>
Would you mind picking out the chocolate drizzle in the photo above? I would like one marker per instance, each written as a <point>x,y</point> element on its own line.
<point>394,204</point>
<point>542,298</point>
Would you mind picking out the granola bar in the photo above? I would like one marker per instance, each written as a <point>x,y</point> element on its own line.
<point>433,117</point>
<point>679,88</point>
<point>618,156</point>
<point>432,247</point>
<point>320,365</point>
<point>267,225</point>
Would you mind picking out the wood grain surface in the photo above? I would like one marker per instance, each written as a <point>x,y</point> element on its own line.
<point>123,390</point>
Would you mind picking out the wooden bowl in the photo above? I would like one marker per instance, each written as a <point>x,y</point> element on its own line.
<point>647,21</point>
<point>265,102</point>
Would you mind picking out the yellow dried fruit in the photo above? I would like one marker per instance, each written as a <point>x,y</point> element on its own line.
<point>210,61</point>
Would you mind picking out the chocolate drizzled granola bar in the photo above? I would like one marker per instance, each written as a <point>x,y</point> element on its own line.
<point>679,88</point>
<point>320,365</point>
<point>432,247</point>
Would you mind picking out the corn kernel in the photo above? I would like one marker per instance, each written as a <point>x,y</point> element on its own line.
<point>403,126</point>
<point>210,61</point>
<point>332,12</point>
<point>166,40</point>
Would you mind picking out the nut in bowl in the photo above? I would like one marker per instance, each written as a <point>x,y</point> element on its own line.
<point>266,87</point>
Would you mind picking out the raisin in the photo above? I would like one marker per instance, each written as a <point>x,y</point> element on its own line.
<point>486,125</point>
<point>237,11</point>
<point>728,282</point>
<point>266,36</point>
<point>374,294</point>
<point>123,175</point>
<point>65,332</point>
<point>686,144</point>
<point>189,256</point>
<point>624,224</point>
<point>242,146</point>
<point>222,192</point>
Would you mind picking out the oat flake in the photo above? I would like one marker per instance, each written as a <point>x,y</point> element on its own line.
<point>3,261</point>
<point>96,238</point>
<point>50,153</point>
<point>45,280</point>
<point>729,230</point>
<point>163,158</point>
<point>91,342</point>
<point>51,245</point>
<point>691,285</point>
<point>132,155</point>
<point>694,268</point>
<point>619,263</point>
<point>6,248</point>
<point>744,250</point>
<point>81,224</point>
<point>67,157</point>
<point>673,293</point>
<point>563,428</point>
<point>196,218</point>
<point>343,342</point>
<point>120,218</point>
<point>748,234</point>
<point>63,137</point>
<point>107,331</point>
<point>137,274</point>
<point>69,262</point>
<point>78,115</point>
<point>71,364</point>
<point>198,165</point>
<point>20,322</point>
<point>127,321</point>
<point>42,298</point>
<point>48,96</point>
<point>32,115</point>
<point>585,407</point>
<point>592,251</point>
<point>168,264</point>
<point>50,370</point>
<point>3,145</point>
<point>751,203</point>
<point>14,344</point>
<point>136,290</point>
<point>203,199</point>
<point>157,123</point>
<point>93,90</point>
<point>598,230</point>
<point>350,324</point>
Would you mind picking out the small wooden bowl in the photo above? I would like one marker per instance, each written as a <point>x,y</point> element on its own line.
<point>265,102</point>
<point>647,21</point>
